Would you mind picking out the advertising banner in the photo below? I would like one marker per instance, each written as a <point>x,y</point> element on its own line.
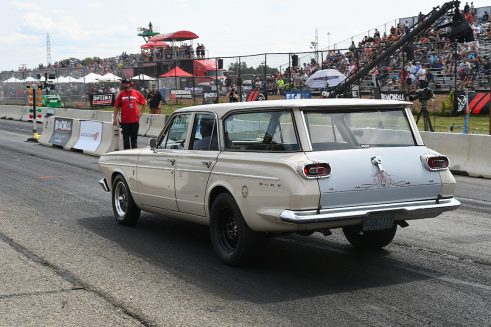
<point>101,100</point>
<point>210,97</point>
<point>291,95</point>
<point>389,95</point>
<point>181,94</point>
<point>62,131</point>
<point>478,103</point>
<point>90,135</point>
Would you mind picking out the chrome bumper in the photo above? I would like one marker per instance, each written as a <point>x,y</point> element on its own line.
<point>401,211</point>
<point>103,183</point>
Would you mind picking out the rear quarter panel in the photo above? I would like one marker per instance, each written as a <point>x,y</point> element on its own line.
<point>264,183</point>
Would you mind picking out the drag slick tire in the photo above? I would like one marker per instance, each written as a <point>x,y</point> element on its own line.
<point>372,240</point>
<point>233,241</point>
<point>124,208</point>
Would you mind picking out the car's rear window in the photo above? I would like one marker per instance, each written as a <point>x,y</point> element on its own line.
<point>271,131</point>
<point>338,130</point>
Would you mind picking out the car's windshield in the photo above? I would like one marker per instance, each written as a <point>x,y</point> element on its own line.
<point>335,130</point>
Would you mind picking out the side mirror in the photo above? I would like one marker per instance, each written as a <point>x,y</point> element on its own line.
<point>153,143</point>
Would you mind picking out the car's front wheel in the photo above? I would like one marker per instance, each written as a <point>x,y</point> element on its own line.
<point>125,210</point>
<point>233,241</point>
<point>370,240</point>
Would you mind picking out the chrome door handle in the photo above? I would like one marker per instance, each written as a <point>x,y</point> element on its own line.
<point>206,163</point>
<point>172,161</point>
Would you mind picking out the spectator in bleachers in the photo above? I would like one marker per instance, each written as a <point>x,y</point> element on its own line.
<point>485,17</point>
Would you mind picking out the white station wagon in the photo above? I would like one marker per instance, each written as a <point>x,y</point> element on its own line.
<point>254,169</point>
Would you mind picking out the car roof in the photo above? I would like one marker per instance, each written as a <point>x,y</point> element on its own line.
<point>223,108</point>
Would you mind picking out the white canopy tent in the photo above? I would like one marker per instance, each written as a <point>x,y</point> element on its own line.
<point>109,77</point>
<point>90,78</point>
<point>143,77</point>
<point>67,79</point>
<point>13,80</point>
<point>30,79</point>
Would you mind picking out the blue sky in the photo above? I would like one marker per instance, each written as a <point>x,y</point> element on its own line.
<point>106,28</point>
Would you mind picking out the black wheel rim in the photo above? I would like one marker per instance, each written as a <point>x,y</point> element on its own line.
<point>228,230</point>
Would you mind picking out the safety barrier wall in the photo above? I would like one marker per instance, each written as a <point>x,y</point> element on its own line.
<point>468,153</point>
<point>157,123</point>
<point>145,121</point>
<point>88,136</point>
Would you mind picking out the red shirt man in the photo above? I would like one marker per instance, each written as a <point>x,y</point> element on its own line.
<point>128,101</point>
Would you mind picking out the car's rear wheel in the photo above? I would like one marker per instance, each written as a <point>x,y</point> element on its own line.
<point>233,241</point>
<point>125,210</point>
<point>370,240</point>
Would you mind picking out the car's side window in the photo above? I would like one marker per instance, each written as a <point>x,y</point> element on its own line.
<point>175,138</point>
<point>272,131</point>
<point>204,134</point>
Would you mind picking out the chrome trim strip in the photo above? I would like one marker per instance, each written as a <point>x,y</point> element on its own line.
<point>103,183</point>
<point>346,213</point>
<point>194,171</point>
<point>116,164</point>
<point>156,168</point>
<point>246,176</point>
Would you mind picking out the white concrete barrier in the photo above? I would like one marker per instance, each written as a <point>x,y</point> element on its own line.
<point>157,123</point>
<point>468,153</point>
<point>97,138</point>
<point>145,121</point>
<point>76,113</point>
<point>106,116</point>
<point>48,128</point>
<point>12,112</point>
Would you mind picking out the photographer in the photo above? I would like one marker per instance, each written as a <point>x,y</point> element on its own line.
<point>232,95</point>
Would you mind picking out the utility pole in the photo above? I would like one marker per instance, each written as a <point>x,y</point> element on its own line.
<point>48,51</point>
<point>315,46</point>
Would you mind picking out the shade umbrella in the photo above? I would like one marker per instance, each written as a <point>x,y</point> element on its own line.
<point>142,77</point>
<point>325,78</point>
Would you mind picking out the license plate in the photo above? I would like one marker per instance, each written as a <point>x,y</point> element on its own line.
<point>378,222</point>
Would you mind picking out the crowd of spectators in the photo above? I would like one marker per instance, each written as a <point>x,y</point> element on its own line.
<point>166,52</point>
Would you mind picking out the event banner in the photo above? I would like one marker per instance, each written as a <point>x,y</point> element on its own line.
<point>101,100</point>
<point>292,95</point>
<point>389,95</point>
<point>90,135</point>
<point>62,131</point>
<point>181,94</point>
<point>478,103</point>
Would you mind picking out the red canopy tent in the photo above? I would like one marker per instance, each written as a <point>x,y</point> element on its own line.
<point>176,72</point>
<point>176,36</point>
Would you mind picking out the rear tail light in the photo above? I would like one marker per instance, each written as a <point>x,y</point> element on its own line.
<point>437,163</point>
<point>316,170</point>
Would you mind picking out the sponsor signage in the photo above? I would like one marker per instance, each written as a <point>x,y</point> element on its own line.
<point>478,103</point>
<point>62,131</point>
<point>291,95</point>
<point>181,94</point>
<point>210,97</point>
<point>90,136</point>
<point>389,95</point>
<point>101,100</point>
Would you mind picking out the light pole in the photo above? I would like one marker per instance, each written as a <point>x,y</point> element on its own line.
<point>328,39</point>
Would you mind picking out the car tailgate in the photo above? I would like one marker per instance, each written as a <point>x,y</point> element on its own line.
<point>376,175</point>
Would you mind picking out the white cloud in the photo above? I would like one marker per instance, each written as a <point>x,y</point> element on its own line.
<point>29,6</point>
